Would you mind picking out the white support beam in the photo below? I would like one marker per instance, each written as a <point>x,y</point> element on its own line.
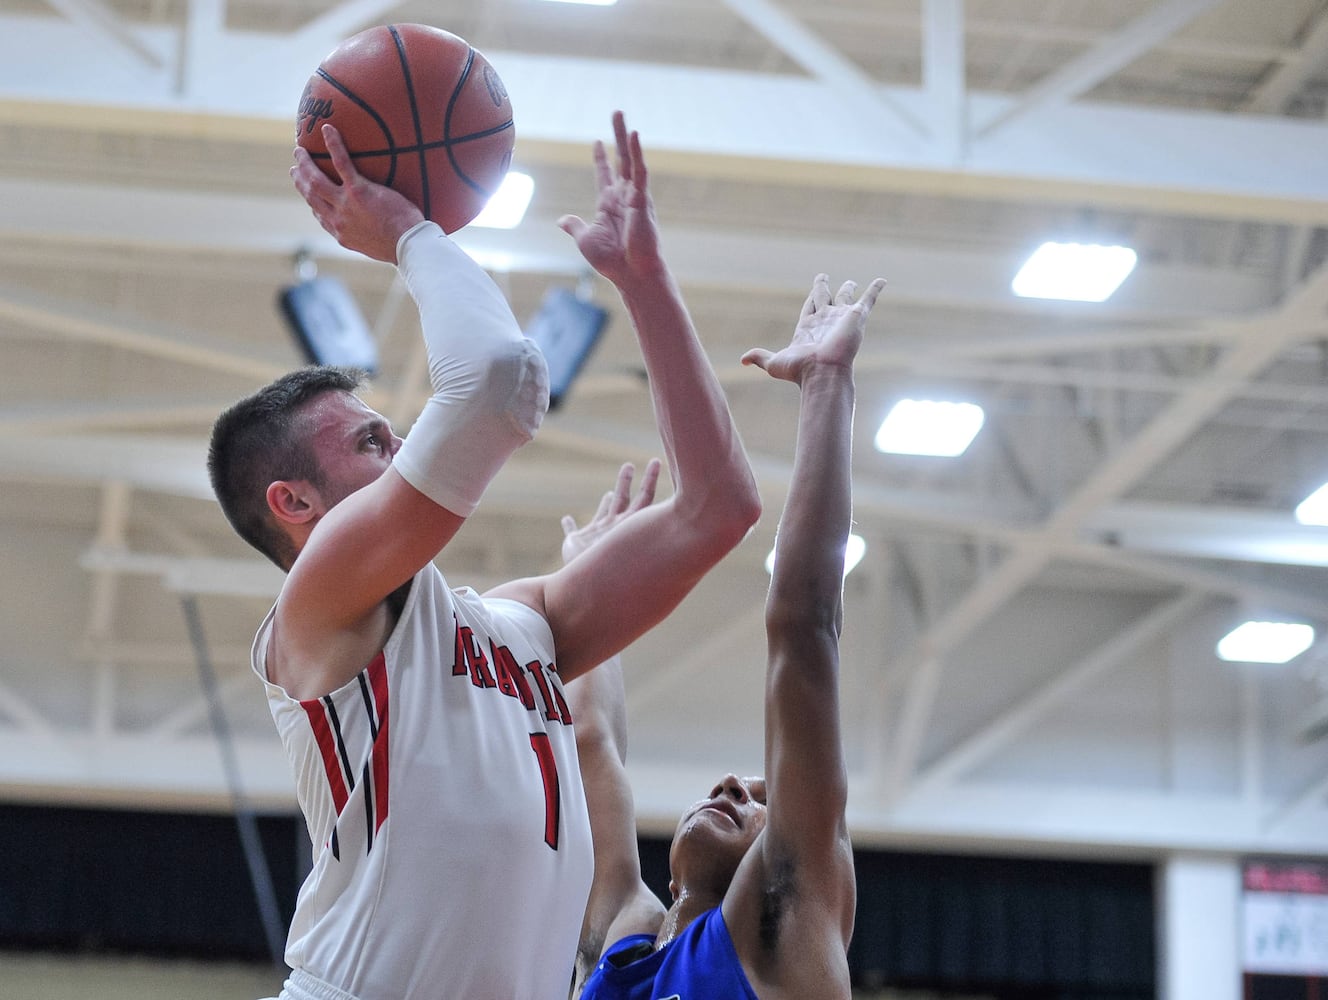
<point>106,25</point>
<point>1209,532</point>
<point>169,654</point>
<point>1168,428</point>
<point>192,575</point>
<point>100,326</point>
<point>205,22</point>
<point>740,125</point>
<point>1312,801</point>
<point>195,712</point>
<point>1016,719</point>
<point>140,771</point>
<point>1096,818</point>
<point>930,360</point>
<point>113,520</point>
<point>20,710</point>
<point>340,22</point>
<point>851,85</point>
<point>923,666</point>
<point>1097,821</point>
<point>1273,93</point>
<point>1299,242</point>
<point>1292,602</point>
<point>1251,740</point>
<point>1112,53</point>
<point>164,465</point>
<point>943,76</point>
<point>1160,293</point>
<point>701,657</point>
<point>69,417</point>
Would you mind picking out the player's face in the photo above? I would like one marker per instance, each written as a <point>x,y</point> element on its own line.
<point>732,814</point>
<point>352,444</point>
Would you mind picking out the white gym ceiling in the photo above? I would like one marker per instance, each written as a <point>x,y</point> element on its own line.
<point>1029,651</point>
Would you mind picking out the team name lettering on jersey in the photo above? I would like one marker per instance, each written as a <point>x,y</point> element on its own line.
<point>499,669</point>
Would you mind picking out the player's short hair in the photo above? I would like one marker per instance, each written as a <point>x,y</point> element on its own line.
<point>262,439</point>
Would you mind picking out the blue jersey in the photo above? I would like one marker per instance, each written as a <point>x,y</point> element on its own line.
<point>699,964</point>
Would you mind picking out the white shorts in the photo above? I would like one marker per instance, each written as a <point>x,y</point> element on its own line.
<point>302,986</point>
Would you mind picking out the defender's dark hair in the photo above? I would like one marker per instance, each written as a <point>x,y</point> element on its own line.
<point>262,439</point>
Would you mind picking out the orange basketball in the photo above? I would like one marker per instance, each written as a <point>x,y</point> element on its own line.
<point>420,111</point>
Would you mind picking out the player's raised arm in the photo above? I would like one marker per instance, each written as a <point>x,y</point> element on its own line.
<point>599,605</point>
<point>790,908</point>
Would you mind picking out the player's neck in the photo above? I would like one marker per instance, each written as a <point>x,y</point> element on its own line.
<point>687,907</point>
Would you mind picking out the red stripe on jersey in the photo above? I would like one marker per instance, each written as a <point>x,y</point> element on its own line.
<point>377,671</point>
<point>327,748</point>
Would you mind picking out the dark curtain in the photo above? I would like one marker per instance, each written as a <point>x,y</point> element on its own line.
<point>147,883</point>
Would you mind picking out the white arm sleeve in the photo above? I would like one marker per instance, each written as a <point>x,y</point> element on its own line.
<point>490,383</point>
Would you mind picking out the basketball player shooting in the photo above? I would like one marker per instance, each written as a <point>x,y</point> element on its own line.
<point>426,725</point>
<point>761,869</point>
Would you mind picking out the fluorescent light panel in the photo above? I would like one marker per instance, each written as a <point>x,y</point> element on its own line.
<point>1314,508</point>
<point>588,3</point>
<point>508,205</point>
<point>1265,642</point>
<point>929,427</point>
<point>853,553</point>
<point>1078,272</point>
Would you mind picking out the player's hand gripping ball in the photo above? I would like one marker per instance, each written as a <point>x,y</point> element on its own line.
<point>420,111</point>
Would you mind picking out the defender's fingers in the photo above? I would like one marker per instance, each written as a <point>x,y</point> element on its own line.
<point>624,150</point>
<point>869,296</point>
<point>569,524</point>
<point>640,175</point>
<point>810,305</point>
<point>844,297</point>
<point>603,175</point>
<point>645,495</point>
<point>821,291</point>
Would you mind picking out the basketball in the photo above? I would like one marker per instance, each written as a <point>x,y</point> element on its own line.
<point>420,111</point>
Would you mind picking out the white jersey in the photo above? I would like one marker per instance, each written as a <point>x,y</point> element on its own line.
<point>452,853</point>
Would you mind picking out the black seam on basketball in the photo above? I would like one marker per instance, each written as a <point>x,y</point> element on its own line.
<point>447,124</point>
<point>471,136</point>
<point>392,148</point>
<point>414,117</point>
<point>428,146</point>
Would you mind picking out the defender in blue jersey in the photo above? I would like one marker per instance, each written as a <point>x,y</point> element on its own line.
<point>761,870</point>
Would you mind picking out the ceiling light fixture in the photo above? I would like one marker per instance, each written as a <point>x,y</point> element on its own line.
<point>1314,508</point>
<point>1078,272</point>
<point>1265,642</point>
<point>929,427</point>
<point>508,205</point>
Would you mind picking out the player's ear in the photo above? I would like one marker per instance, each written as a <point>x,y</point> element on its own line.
<point>673,889</point>
<point>293,501</point>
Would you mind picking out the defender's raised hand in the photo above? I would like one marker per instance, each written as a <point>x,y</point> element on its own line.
<point>622,239</point>
<point>828,332</point>
<point>615,505</point>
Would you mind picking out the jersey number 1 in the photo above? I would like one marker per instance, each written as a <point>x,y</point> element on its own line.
<point>539,742</point>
